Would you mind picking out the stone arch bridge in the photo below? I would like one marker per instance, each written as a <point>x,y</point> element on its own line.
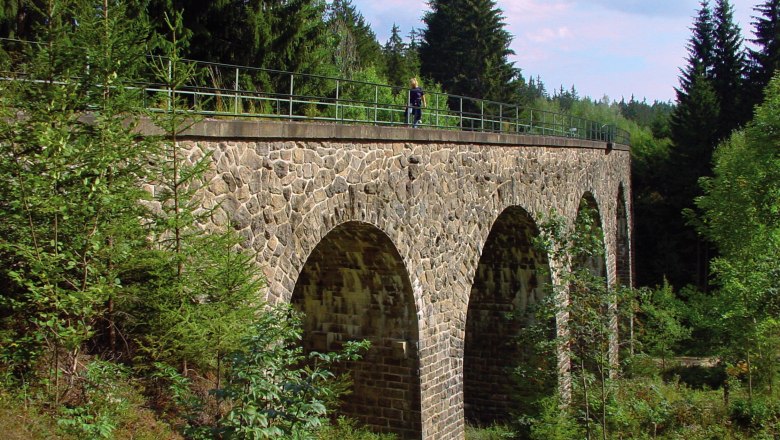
<point>418,240</point>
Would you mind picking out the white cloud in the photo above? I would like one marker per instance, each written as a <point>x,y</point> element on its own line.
<point>534,11</point>
<point>549,35</point>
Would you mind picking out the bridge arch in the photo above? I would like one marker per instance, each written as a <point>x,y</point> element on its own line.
<point>511,276</point>
<point>354,286</point>
<point>589,220</point>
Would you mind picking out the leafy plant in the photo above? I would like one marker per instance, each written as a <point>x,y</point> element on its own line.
<point>347,429</point>
<point>103,401</point>
<point>274,389</point>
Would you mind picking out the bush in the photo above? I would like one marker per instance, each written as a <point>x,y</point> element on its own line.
<point>347,429</point>
<point>495,432</point>
<point>108,405</point>
<point>555,423</point>
<point>755,415</point>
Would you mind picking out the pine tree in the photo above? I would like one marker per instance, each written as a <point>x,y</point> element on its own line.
<point>701,48</point>
<point>394,58</point>
<point>400,60</point>
<point>728,70</point>
<point>275,34</point>
<point>72,167</point>
<point>200,293</point>
<point>764,60</point>
<point>694,133</point>
<point>465,48</point>
<point>356,44</point>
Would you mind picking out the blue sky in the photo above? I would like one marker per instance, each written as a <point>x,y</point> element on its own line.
<point>603,47</point>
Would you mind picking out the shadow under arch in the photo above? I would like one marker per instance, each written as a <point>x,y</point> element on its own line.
<point>588,225</point>
<point>354,286</point>
<point>511,276</point>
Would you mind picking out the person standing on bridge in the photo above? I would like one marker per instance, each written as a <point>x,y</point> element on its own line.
<point>416,101</point>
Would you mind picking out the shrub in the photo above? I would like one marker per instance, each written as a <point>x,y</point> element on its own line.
<point>555,423</point>
<point>347,429</point>
<point>495,432</point>
<point>754,415</point>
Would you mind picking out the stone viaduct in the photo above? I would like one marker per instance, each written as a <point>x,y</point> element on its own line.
<point>418,240</point>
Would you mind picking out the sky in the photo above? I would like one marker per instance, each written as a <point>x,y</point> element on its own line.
<point>613,48</point>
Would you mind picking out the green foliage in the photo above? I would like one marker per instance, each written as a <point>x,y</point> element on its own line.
<point>358,98</point>
<point>765,57</point>
<point>70,206</point>
<point>555,422</point>
<point>581,294</point>
<point>756,416</point>
<point>271,389</point>
<point>281,35</point>
<point>21,418</point>
<point>356,45</point>
<point>401,61</point>
<point>103,401</point>
<point>741,215</point>
<point>347,429</point>
<point>107,400</point>
<point>660,322</point>
<point>272,395</point>
<point>86,266</point>
<point>474,61</point>
<point>495,432</point>
<point>728,70</point>
<point>649,408</point>
<point>709,107</point>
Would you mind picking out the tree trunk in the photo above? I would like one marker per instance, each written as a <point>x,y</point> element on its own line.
<point>585,398</point>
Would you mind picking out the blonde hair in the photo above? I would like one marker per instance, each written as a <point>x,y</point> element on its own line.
<point>413,82</point>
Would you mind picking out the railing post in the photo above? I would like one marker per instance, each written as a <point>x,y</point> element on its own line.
<point>500,118</point>
<point>461,113</point>
<point>337,100</point>
<point>236,98</point>
<point>292,90</point>
<point>517,119</point>
<point>437,110</point>
<point>481,115</point>
<point>376,103</point>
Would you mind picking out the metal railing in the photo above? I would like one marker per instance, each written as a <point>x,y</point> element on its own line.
<point>223,90</point>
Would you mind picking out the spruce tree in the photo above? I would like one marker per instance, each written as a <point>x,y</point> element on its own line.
<point>400,61</point>
<point>9,14</point>
<point>728,70</point>
<point>274,34</point>
<point>196,293</point>
<point>73,167</point>
<point>465,48</point>
<point>694,132</point>
<point>356,44</point>
<point>765,59</point>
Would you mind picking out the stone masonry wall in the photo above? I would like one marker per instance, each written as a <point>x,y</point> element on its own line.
<point>434,196</point>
